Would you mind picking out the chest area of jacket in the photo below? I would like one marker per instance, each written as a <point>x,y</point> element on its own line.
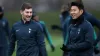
<point>76,33</point>
<point>25,32</point>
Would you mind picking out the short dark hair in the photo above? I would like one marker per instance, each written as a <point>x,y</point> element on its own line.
<point>25,6</point>
<point>79,5</point>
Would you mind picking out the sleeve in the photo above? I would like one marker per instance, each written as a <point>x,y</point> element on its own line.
<point>12,42</point>
<point>40,41</point>
<point>96,22</point>
<point>65,32</point>
<point>88,43</point>
<point>47,34</point>
<point>66,27</point>
<point>61,19</point>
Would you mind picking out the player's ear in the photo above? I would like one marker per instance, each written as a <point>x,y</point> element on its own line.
<point>21,12</point>
<point>81,11</point>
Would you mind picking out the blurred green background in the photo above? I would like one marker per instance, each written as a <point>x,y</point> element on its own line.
<point>49,18</point>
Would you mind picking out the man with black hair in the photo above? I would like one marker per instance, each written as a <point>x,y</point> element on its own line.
<point>94,21</point>
<point>4,32</point>
<point>27,34</point>
<point>80,33</point>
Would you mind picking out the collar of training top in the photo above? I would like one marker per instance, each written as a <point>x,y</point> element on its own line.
<point>27,22</point>
<point>78,21</point>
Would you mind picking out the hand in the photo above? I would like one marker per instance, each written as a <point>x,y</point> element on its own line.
<point>65,48</point>
<point>53,48</point>
<point>96,51</point>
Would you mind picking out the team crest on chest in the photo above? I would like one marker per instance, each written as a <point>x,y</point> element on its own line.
<point>30,30</point>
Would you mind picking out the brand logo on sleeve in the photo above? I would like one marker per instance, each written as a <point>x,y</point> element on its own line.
<point>17,30</point>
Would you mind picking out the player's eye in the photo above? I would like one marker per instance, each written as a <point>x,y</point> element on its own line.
<point>30,12</point>
<point>27,12</point>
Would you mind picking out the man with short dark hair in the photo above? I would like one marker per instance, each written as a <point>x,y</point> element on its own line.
<point>4,31</point>
<point>80,33</point>
<point>28,35</point>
